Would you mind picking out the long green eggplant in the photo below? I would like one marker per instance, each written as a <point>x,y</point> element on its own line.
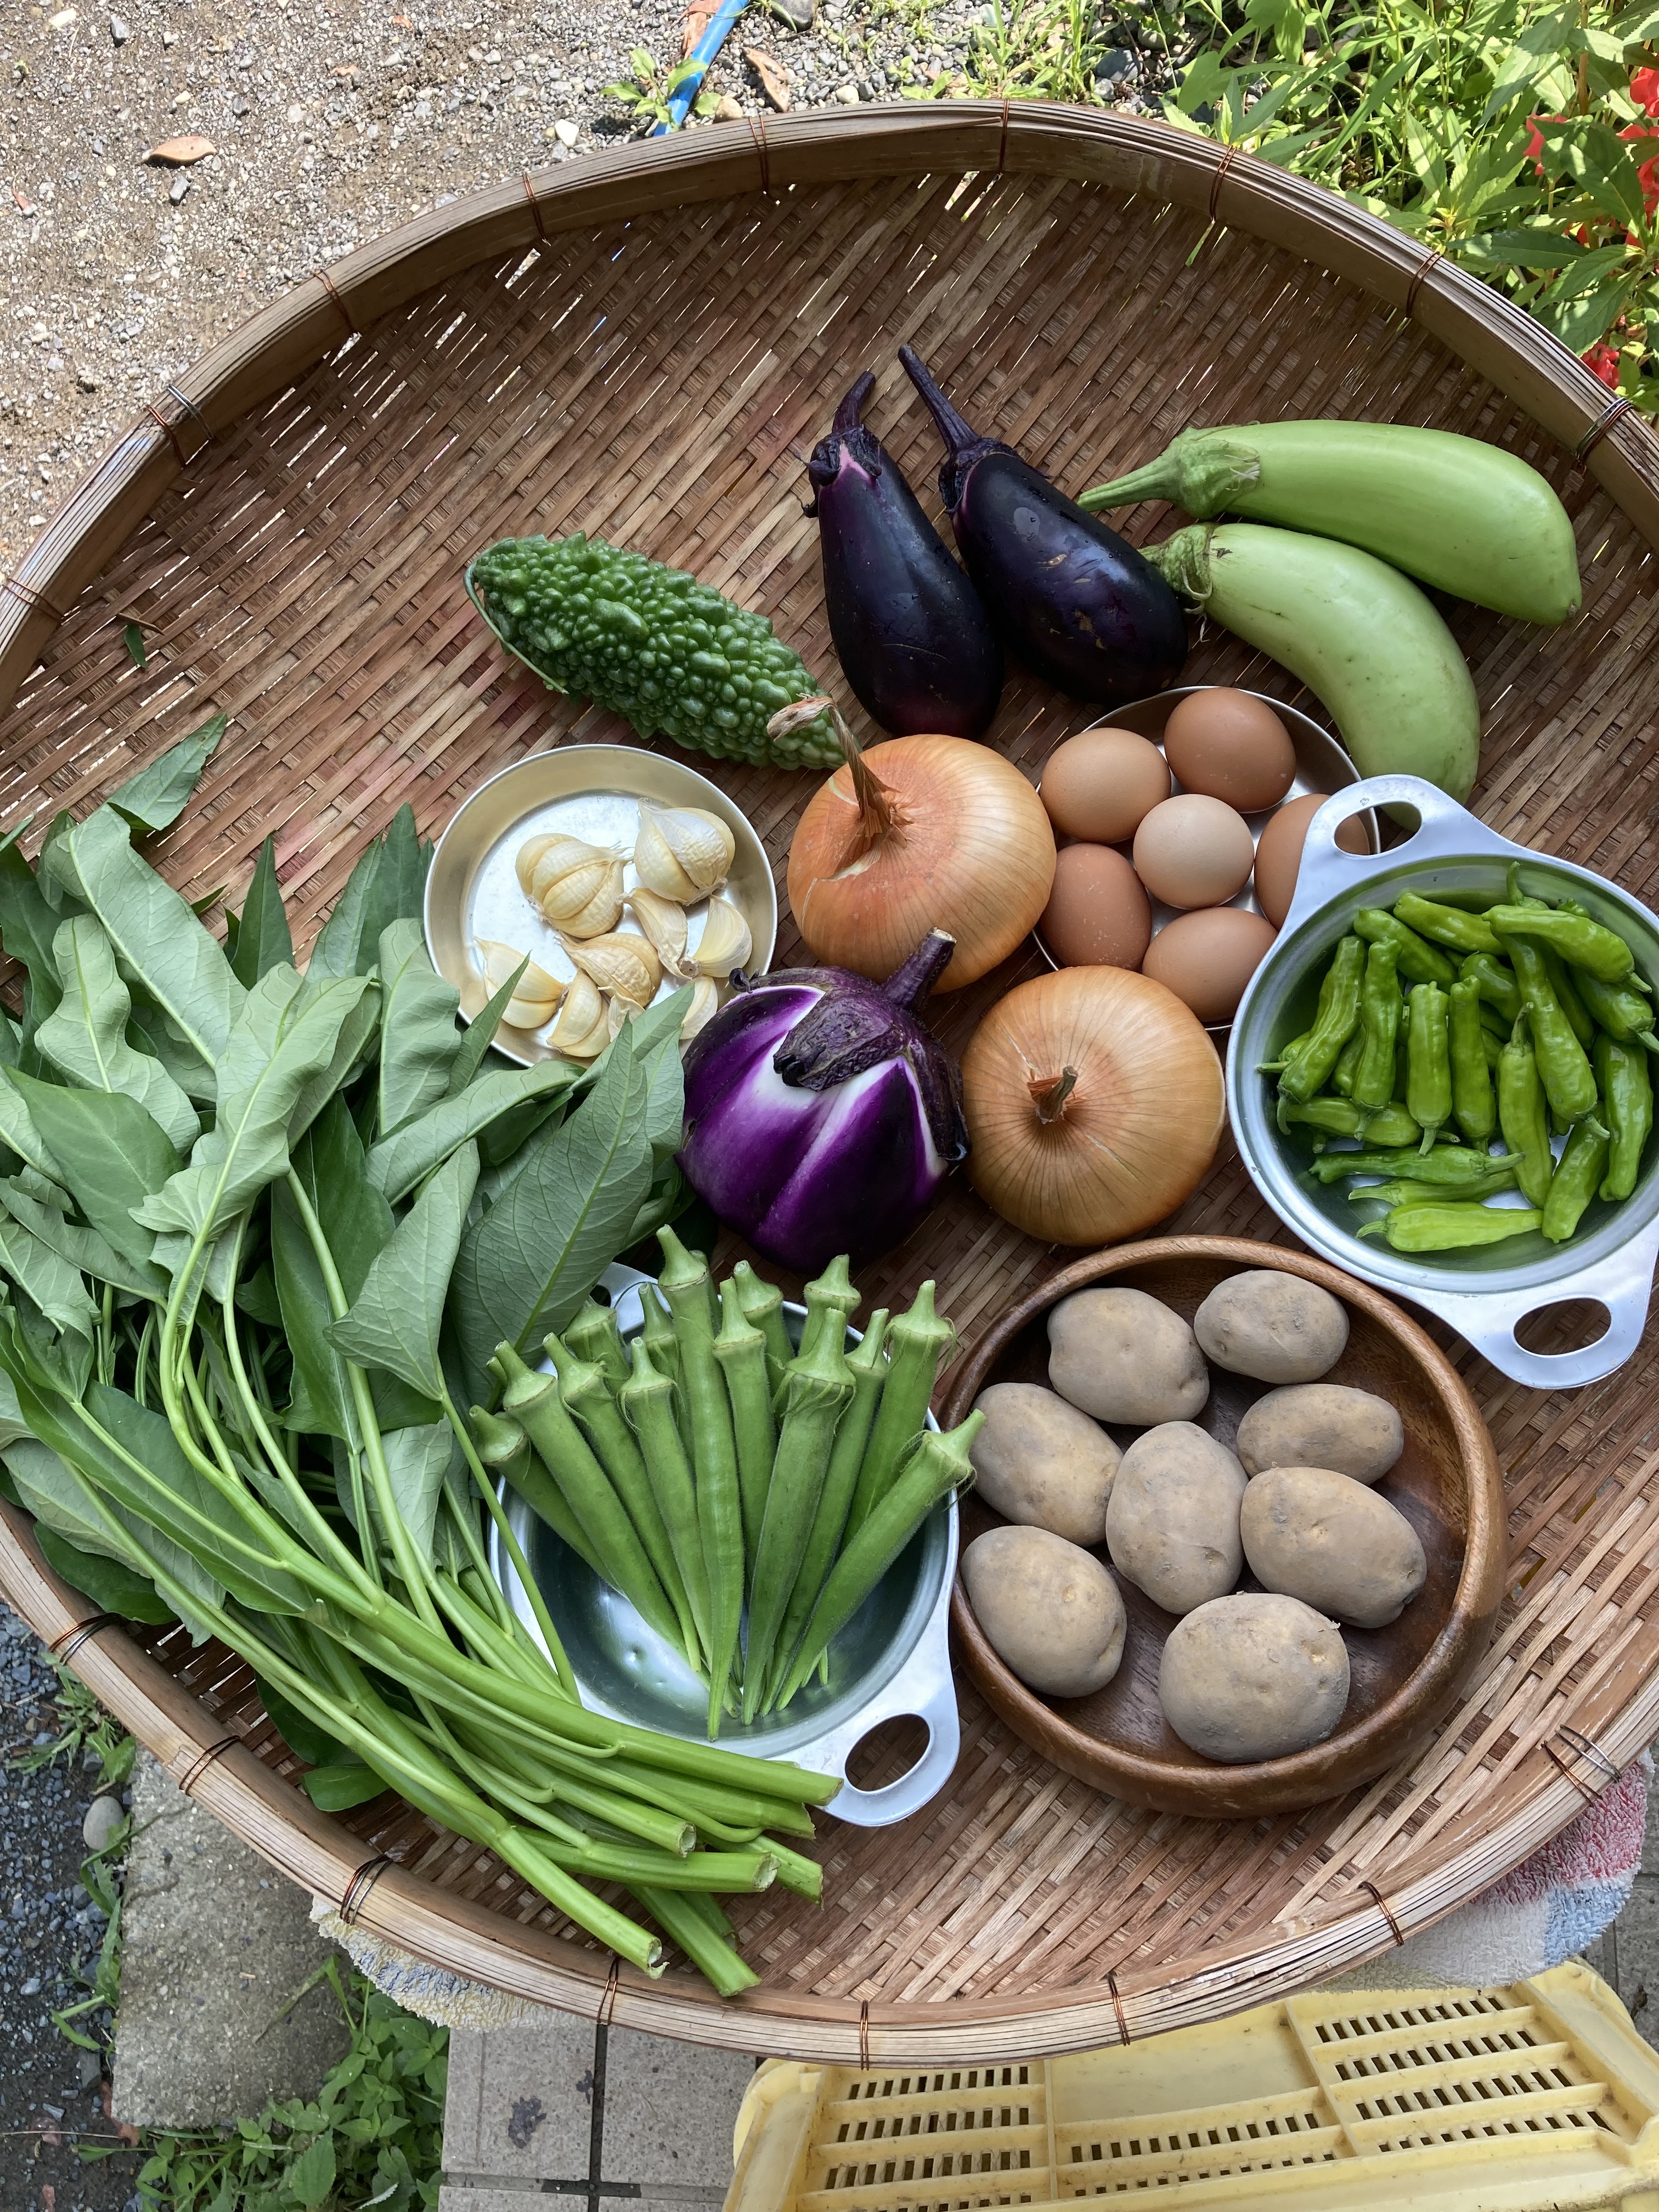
<point>1360,636</point>
<point>1464,516</point>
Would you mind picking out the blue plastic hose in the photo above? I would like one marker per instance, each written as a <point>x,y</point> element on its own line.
<point>715,34</point>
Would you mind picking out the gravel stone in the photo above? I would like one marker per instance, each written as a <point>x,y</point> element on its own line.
<point>104,1816</point>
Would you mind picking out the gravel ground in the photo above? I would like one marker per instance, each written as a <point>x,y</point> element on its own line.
<point>50,2092</point>
<point>329,123</point>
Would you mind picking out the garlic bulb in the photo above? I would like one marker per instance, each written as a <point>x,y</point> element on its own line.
<point>726,941</point>
<point>537,992</point>
<point>663,921</point>
<point>681,853</point>
<point>577,886</point>
<point>581,1031</point>
<point>705,1005</point>
<point>621,962</point>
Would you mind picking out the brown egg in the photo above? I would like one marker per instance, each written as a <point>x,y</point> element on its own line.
<point>1206,958</point>
<point>1230,745</point>
<point>1193,851</point>
<point>1097,915</point>
<point>1279,855</point>
<point>1101,784</point>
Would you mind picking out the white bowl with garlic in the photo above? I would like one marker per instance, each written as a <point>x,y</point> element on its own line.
<point>594,880</point>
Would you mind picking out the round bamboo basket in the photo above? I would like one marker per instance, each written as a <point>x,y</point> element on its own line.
<point>641,346</point>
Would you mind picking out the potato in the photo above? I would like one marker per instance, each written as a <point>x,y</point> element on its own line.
<point>1051,1612</point>
<point>1172,1519</point>
<point>1250,1677</point>
<point>1124,1357</point>
<point>1328,1539</point>
<point>1271,1326</point>
<point>1322,1425</point>
<point>1041,1461</point>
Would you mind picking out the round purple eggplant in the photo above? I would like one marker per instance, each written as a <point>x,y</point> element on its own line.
<point>1076,602</point>
<point>820,1115</point>
<point>909,629</point>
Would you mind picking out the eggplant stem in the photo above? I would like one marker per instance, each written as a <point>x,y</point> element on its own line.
<point>850,412</point>
<point>1050,1093</point>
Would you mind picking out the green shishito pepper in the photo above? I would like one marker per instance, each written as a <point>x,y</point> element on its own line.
<point>1347,1060</point>
<point>1576,1179</point>
<point>1625,1014</point>
<point>1451,1166</point>
<point>652,644</point>
<point>1404,1191</point>
<point>1379,1014</point>
<point>1522,1118</point>
<point>1418,961</point>
<point>1473,1103</point>
<point>1428,1061</point>
<point>1497,985</point>
<point>1450,926</point>
<point>1563,983</point>
<point>1334,1022</point>
<point>1340,1117</point>
<point>1563,1069</point>
<point>1627,1107</point>
<point>1600,953</point>
<point>1451,1227</point>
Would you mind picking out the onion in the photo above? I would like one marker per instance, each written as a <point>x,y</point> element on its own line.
<point>921,834</point>
<point>1094,1103</point>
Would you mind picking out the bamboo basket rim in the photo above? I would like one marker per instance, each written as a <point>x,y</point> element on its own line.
<point>1158,165</point>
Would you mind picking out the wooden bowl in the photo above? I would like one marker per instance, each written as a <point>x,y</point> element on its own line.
<point>1446,1482</point>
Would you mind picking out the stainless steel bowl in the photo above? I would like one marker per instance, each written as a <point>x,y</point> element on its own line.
<point>891,1659</point>
<point>1484,1294</point>
<point>1321,765</point>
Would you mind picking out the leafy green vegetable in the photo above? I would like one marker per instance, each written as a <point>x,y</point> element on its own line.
<point>110,1585</point>
<point>395,1320</point>
<point>419,1039</point>
<point>397,1163</point>
<point>155,799</point>
<point>114,1157</point>
<point>261,938</point>
<point>388,882</point>
<point>86,1034</point>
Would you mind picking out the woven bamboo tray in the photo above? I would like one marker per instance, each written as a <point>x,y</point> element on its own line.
<point>632,345</point>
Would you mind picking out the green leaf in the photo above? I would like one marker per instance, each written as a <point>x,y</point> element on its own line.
<point>418,1461</point>
<point>301,1734</point>
<point>1598,162</point>
<point>256,1297</point>
<point>52,1487</point>
<point>106,1581</point>
<point>351,1048</point>
<point>155,798</point>
<point>283,1035</point>
<point>18,1126</point>
<point>148,1031</point>
<point>396,1319</point>
<point>28,924</point>
<point>419,1039</point>
<point>388,882</point>
<point>132,637</point>
<point>83,1248</point>
<point>114,1157</point>
<point>399,1162</point>
<point>527,1263</point>
<point>86,1036</point>
<point>328,1164</point>
<point>12,1424</point>
<point>311,2177</point>
<point>156,938</point>
<point>343,1783</point>
<point>263,939</point>
<point>480,1033</point>
<point>1581,323</point>
<point>55,1287</point>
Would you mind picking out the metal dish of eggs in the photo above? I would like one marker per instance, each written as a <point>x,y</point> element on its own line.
<point>619,876</point>
<point>1180,821</point>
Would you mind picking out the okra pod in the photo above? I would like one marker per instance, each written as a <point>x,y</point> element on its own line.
<point>867,1364</point>
<point>940,1465</point>
<point>1576,1179</point>
<point>831,1302</point>
<point>740,1348</point>
<point>1627,1104</point>
<point>917,1342</point>
<point>647,1405</point>
<point>685,1283</point>
<point>763,1303</point>
<point>585,1392</point>
<point>816,1391</point>
<point>524,1474</point>
<point>594,1335</point>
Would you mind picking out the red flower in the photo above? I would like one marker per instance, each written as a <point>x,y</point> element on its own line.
<point>1644,89</point>
<point>1601,360</point>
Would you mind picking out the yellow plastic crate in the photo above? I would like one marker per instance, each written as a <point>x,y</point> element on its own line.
<point>1541,2095</point>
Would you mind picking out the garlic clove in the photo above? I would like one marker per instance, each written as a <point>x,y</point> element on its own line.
<point>578,887</point>
<point>663,921</point>
<point>621,962</point>
<point>681,853</point>
<point>537,992</point>
<point>617,1012</point>
<point>581,1031</point>
<point>705,1005</point>
<point>726,941</point>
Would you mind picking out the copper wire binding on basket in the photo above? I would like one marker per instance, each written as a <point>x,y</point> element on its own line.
<point>36,602</point>
<point>1599,428</point>
<point>64,1647</point>
<point>190,412</point>
<point>1583,1748</point>
<point>1385,1908</point>
<point>535,209</point>
<point>332,290</point>
<point>200,1765</point>
<point>757,132</point>
<point>1426,268</point>
<point>1117,2007</point>
<point>607,2005</point>
<point>357,1889</point>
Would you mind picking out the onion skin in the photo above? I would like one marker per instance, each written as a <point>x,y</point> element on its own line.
<point>820,1115</point>
<point>973,855</point>
<point>1076,602</point>
<point>910,634</point>
<point>1136,1132</point>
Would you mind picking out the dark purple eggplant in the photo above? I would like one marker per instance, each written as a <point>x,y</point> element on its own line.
<point>908,626</point>
<point>1076,602</point>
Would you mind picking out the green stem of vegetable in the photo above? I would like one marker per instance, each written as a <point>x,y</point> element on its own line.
<point>710,1953</point>
<point>917,1342</point>
<point>685,1282</point>
<point>527,1582</point>
<point>796,1872</point>
<point>741,1349</point>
